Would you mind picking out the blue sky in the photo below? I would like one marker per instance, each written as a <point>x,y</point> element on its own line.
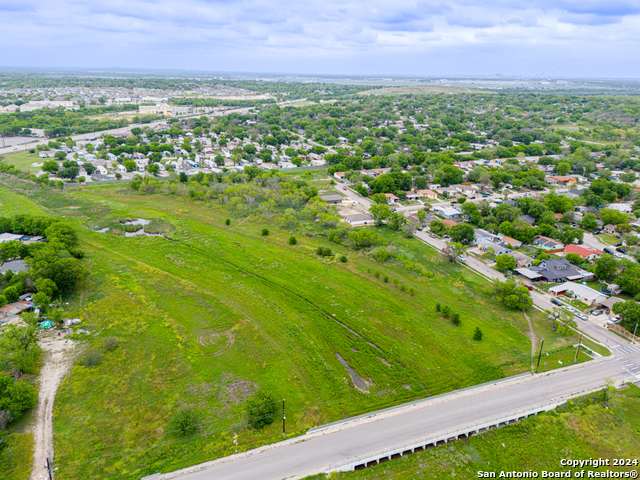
<point>434,37</point>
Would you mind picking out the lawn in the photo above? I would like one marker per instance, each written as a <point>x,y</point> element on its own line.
<point>23,160</point>
<point>212,313</point>
<point>580,429</point>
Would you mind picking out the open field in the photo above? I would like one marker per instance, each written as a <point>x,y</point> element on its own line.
<point>425,89</point>
<point>208,315</point>
<point>581,429</point>
<point>23,160</point>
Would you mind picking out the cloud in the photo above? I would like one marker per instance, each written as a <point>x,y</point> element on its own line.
<point>326,36</point>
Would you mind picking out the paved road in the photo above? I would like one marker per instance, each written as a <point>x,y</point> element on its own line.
<point>314,453</point>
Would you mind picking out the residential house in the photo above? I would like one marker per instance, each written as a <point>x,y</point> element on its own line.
<point>431,195</point>
<point>332,198</point>
<point>391,198</point>
<point>359,219</point>
<point>512,242</point>
<point>413,196</point>
<point>587,253</point>
<point>546,243</point>
<point>620,207</point>
<point>480,234</point>
<point>610,302</point>
<point>565,180</point>
<point>448,212</point>
<point>610,229</point>
<point>527,219</point>
<point>560,270</point>
<point>495,247</point>
<point>580,292</point>
<point>522,260</point>
<point>449,223</point>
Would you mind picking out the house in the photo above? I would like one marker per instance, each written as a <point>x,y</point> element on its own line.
<point>10,237</point>
<point>560,270</point>
<point>532,275</point>
<point>547,243</point>
<point>101,170</point>
<point>449,223</point>
<point>522,260</point>
<point>620,207</point>
<point>448,212</point>
<point>359,219</point>
<point>332,198</point>
<point>610,229</point>
<point>512,242</point>
<point>563,179</point>
<point>587,253</point>
<point>46,154</point>
<point>340,175</point>
<point>580,292</point>
<point>610,302</point>
<point>480,234</point>
<point>447,191</point>
<point>495,247</point>
<point>413,196</point>
<point>527,219</point>
<point>391,198</point>
<point>431,195</point>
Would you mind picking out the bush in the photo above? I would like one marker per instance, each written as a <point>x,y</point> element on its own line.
<point>438,307</point>
<point>377,274</point>
<point>265,232</point>
<point>324,251</point>
<point>227,222</point>
<point>343,259</point>
<point>477,334</point>
<point>261,410</point>
<point>293,240</point>
<point>412,291</point>
<point>385,279</point>
<point>183,423</point>
<point>111,343</point>
<point>395,281</point>
<point>92,358</point>
<point>455,319</point>
<point>446,311</point>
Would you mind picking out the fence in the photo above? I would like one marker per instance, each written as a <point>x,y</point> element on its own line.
<point>371,459</point>
<point>623,331</point>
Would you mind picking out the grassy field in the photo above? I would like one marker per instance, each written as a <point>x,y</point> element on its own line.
<point>23,160</point>
<point>581,429</point>
<point>16,457</point>
<point>210,314</point>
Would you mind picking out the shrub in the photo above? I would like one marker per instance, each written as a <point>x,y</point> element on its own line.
<point>92,358</point>
<point>412,291</point>
<point>377,274</point>
<point>438,307</point>
<point>477,334</point>
<point>293,240</point>
<point>111,343</point>
<point>385,279</point>
<point>227,222</point>
<point>343,259</point>
<point>261,410</point>
<point>183,423</point>
<point>265,232</point>
<point>446,311</point>
<point>455,319</point>
<point>403,288</point>
<point>324,251</point>
<point>395,281</point>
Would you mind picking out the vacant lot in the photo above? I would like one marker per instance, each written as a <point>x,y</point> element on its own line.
<point>208,314</point>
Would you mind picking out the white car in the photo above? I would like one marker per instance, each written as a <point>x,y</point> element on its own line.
<point>618,255</point>
<point>581,316</point>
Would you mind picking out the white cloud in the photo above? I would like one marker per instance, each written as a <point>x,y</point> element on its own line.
<point>586,37</point>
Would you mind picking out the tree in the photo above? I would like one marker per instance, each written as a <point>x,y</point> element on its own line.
<point>453,252</point>
<point>462,233</point>
<point>505,262</point>
<point>69,172</point>
<point>292,240</point>
<point>606,268</point>
<point>396,221</point>
<point>155,157</point>
<point>563,168</point>
<point>19,348</point>
<point>264,232</point>
<point>183,177</point>
<point>629,312</point>
<point>130,165</point>
<point>380,212</point>
<point>153,168</point>
<point>63,233</point>
<point>589,222</point>
<point>511,295</point>
<point>421,214</point>
<point>477,334</point>
<point>16,397</point>
<point>437,227</point>
<point>50,166</point>
<point>261,409</point>
<point>183,423</point>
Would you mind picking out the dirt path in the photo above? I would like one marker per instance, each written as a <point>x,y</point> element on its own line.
<point>57,360</point>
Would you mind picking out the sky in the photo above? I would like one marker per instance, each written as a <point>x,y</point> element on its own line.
<point>561,38</point>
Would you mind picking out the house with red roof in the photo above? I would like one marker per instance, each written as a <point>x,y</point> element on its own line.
<point>587,253</point>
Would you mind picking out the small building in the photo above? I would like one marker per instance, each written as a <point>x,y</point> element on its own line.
<point>527,219</point>
<point>547,243</point>
<point>413,196</point>
<point>588,253</point>
<point>522,260</point>
<point>580,292</point>
<point>448,212</point>
<point>10,237</point>
<point>391,198</point>
<point>512,242</point>
<point>332,198</point>
<point>610,229</point>
<point>359,219</point>
<point>429,194</point>
<point>610,302</point>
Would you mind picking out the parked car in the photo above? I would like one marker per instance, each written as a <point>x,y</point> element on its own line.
<point>608,250</point>
<point>581,316</point>
<point>556,302</point>
<point>432,235</point>
<point>393,209</point>
<point>419,229</point>
<point>598,312</point>
<point>618,255</point>
<point>621,250</point>
<point>446,236</point>
<point>597,232</point>
<point>529,287</point>
<point>618,245</point>
<point>613,320</point>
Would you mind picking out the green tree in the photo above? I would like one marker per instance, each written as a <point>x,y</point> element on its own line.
<point>292,240</point>
<point>63,233</point>
<point>606,268</point>
<point>130,165</point>
<point>183,177</point>
<point>505,262</point>
<point>563,168</point>
<point>462,233</point>
<point>629,312</point>
<point>183,423</point>
<point>153,168</point>
<point>50,166</point>
<point>380,212</point>
<point>437,227</point>
<point>264,232</point>
<point>477,334</point>
<point>511,295</point>
<point>261,410</point>
<point>589,222</point>
<point>396,221</point>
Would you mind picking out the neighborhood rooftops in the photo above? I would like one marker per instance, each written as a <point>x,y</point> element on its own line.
<point>582,292</point>
<point>583,252</point>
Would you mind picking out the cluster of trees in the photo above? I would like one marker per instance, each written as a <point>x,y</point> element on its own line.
<point>510,294</point>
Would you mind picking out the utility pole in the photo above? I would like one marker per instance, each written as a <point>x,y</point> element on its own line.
<point>49,469</point>
<point>283,419</point>
<point>578,349</point>
<point>540,355</point>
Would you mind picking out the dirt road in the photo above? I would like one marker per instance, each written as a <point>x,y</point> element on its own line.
<point>56,362</point>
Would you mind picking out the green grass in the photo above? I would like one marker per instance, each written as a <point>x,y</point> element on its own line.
<point>23,160</point>
<point>16,457</point>
<point>13,203</point>
<point>608,239</point>
<point>282,311</point>
<point>580,429</point>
